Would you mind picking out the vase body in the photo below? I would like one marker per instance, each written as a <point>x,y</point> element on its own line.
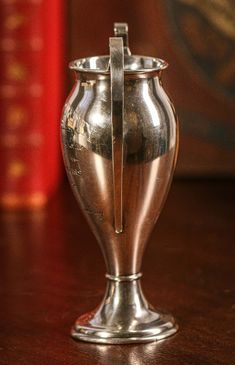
<point>150,140</point>
<point>149,151</point>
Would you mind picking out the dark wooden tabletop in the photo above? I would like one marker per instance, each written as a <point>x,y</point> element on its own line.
<point>51,271</point>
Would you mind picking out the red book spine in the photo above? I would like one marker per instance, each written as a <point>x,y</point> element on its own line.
<point>30,100</point>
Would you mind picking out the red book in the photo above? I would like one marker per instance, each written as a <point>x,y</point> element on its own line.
<point>30,100</point>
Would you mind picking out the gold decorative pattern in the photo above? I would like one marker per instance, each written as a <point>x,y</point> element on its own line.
<point>16,169</point>
<point>10,140</point>
<point>17,201</point>
<point>16,116</point>
<point>10,91</point>
<point>16,71</point>
<point>9,44</point>
<point>14,21</point>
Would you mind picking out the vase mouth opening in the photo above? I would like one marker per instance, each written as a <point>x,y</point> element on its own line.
<point>132,64</point>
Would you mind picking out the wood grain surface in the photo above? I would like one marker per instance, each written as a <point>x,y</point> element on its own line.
<point>51,271</point>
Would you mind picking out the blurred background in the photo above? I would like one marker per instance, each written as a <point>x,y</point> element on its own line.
<point>40,37</point>
<point>51,268</point>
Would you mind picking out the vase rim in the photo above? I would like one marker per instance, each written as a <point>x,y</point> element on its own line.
<point>133,64</point>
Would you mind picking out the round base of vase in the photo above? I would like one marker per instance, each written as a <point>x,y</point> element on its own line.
<point>124,316</point>
<point>159,329</point>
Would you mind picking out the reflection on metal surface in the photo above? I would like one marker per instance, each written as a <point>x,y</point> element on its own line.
<point>124,149</point>
<point>124,316</point>
<point>136,354</point>
<point>121,30</point>
<point>117,116</point>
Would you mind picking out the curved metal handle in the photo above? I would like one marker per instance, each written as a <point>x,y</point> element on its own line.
<point>121,30</point>
<point>117,111</point>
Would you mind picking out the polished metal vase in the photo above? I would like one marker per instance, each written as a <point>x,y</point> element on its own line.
<point>119,141</point>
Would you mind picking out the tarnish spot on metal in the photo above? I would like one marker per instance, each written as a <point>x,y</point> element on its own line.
<point>88,84</point>
<point>99,215</point>
<point>75,172</point>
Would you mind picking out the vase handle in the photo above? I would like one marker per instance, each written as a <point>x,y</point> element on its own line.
<point>117,113</point>
<point>121,30</point>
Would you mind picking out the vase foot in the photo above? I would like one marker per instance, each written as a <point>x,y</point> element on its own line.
<point>159,329</point>
<point>124,316</point>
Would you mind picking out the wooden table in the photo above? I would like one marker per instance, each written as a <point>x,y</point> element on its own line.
<point>51,271</point>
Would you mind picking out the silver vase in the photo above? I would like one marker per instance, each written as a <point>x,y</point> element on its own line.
<point>120,138</point>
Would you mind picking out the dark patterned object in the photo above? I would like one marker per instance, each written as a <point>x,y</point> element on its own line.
<point>206,32</point>
<point>204,35</point>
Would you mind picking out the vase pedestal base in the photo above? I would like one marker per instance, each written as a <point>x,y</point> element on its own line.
<point>124,316</point>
